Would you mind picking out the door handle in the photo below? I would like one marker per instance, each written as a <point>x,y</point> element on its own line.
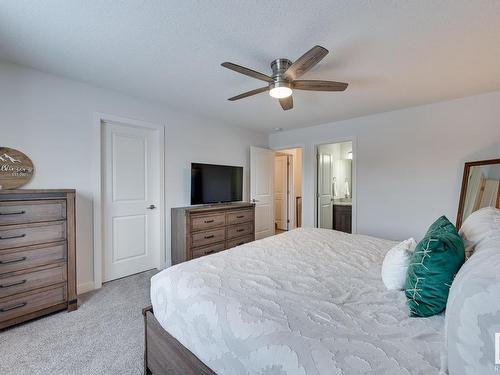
<point>151,207</point>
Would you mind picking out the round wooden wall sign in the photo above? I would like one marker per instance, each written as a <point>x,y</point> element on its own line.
<point>16,169</point>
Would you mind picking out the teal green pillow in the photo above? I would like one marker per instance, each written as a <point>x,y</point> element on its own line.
<point>436,260</point>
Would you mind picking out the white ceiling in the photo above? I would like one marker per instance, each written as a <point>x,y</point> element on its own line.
<point>393,53</point>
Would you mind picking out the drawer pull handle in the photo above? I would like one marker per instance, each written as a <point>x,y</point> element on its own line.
<point>209,221</point>
<point>240,230</point>
<point>18,306</point>
<point>209,252</point>
<point>12,261</point>
<point>12,284</point>
<point>240,216</point>
<point>211,236</point>
<point>12,213</point>
<point>11,237</point>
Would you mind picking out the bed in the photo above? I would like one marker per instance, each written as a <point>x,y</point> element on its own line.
<point>309,301</point>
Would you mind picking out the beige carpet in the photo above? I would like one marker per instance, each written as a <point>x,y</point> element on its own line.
<point>104,336</point>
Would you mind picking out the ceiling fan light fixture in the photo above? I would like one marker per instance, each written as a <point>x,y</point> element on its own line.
<point>280,92</point>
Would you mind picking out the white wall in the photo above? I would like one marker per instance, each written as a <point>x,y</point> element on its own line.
<point>52,120</point>
<point>409,162</point>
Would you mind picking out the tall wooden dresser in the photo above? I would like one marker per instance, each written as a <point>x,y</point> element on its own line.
<point>37,254</point>
<point>204,230</point>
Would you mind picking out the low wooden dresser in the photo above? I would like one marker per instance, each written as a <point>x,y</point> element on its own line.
<point>203,230</point>
<point>37,254</point>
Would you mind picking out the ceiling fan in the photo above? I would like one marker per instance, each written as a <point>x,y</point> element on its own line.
<point>284,77</point>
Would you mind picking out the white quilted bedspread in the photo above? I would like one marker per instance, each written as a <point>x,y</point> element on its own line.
<point>309,301</point>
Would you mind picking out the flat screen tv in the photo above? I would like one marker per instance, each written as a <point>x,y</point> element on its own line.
<point>215,183</point>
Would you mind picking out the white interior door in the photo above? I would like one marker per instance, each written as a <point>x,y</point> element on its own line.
<point>325,197</point>
<point>291,193</point>
<point>261,190</point>
<point>131,190</point>
<point>281,191</point>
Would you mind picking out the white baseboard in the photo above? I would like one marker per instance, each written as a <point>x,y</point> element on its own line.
<point>90,285</point>
<point>85,287</point>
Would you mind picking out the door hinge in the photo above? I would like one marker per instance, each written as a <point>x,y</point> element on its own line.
<point>288,221</point>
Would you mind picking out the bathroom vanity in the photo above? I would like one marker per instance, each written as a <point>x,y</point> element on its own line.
<point>342,215</point>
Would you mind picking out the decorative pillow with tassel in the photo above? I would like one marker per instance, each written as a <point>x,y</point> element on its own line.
<point>433,266</point>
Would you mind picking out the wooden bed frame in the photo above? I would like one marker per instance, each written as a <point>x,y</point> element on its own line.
<point>163,354</point>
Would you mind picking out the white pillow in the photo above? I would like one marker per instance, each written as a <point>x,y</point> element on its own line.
<point>489,242</point>
<point>395,265</point>
<point>479,226</point>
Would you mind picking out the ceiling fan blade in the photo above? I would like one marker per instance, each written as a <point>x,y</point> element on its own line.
<point>305,62</point>
<point>249,93</point>
<point>247,71</point>
<point>286,103</point>
<point>314,85</point>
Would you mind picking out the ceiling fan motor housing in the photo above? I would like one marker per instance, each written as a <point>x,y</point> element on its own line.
<point>279,67</point>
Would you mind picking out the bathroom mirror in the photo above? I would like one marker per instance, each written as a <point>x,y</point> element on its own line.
<point>480,188</point>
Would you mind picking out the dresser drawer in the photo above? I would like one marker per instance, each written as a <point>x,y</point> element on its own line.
<point>31,211</point>
<point>32,280</point>
<point>25,303</point>
<point>238,217</point>
<point>32,256</point>
<point>238,241</point>
<point>239,230</point>
<point>212,249</point>
<point>208,237</point>
<point>31,234</point>
<point>207,222</point>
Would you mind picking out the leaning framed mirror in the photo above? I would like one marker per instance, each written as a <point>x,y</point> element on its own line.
<point>480,188</point>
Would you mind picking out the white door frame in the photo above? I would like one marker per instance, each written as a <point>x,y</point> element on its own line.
<point>99,119</point>
<point>354,177</point>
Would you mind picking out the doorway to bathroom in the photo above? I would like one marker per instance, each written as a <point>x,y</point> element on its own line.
<point>334,190</point>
